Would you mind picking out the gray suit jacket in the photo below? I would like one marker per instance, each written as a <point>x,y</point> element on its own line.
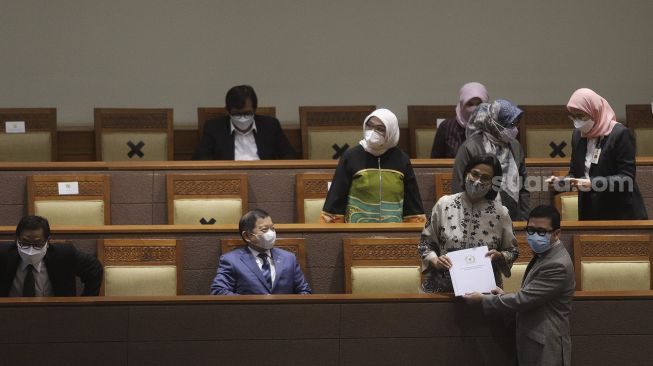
<point>543,306</point>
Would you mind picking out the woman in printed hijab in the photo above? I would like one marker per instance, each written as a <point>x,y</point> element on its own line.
<point>451,132</point>
<point>492,129</point>
<point>374,181</point>
<point>602,165</point>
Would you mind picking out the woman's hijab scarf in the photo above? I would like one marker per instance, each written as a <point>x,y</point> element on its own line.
<point>391,131</point>
<point>488,120</point>
<point>597,108</point>
<point>468,92</point>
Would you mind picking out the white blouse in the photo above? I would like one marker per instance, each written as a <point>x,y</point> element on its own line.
<point>456,223</point>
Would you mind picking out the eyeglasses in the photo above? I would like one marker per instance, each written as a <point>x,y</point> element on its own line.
<point>240,115</point>
<point>265,229</point>
<point>27,244</point>
<point>580,117</point>
<point>484,178</point>
<point>541,232</point>
<point>378,128</point>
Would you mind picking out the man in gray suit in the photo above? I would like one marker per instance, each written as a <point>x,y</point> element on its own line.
<point>543,304</point>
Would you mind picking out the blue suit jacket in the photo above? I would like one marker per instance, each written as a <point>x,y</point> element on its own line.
<point>238,274</point>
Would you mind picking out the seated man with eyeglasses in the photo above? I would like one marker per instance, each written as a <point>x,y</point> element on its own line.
<point>32,266</point>
<point>243,134</point>
<point>258,268</point>
<point>543,304</point>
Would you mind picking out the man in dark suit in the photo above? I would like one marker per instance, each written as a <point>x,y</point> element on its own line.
<point>258,267</point>
<point>543,304</point>
<point>243,135</point>
<point>34,267</point>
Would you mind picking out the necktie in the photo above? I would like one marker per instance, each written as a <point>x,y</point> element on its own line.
<point>266,269</point>
<point>29,285</point>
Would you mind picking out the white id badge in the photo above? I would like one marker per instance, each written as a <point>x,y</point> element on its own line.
<point>595,156</point>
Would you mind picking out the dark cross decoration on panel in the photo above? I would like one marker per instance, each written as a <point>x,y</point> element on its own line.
<point>339,150</point>
<point>210,222</point>
<point>557,149</point>
<point>135,149</point>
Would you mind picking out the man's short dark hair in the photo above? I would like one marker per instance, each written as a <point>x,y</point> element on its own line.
<point>549,212</point>
<point>32,222</point>
<point>247,223</point>
<point>486,159</point>
<point>238,95</point>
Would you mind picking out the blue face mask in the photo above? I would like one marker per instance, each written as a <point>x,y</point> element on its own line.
<point>539,244</point>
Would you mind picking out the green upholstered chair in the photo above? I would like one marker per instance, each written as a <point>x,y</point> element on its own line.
<point>566,202</point>
<point>567,205</point>
<point>639,118</point>
<point>612,262</point>
<point>141,267</point>
<point>206,113</point>
<point>422,126</point>
<point>296,246</point>
<point>310,192</point>
<point>195,199</point>
<point>91,206</point>
<point>513,283</point>
<point>133,134</point>
<point>37,143</point>
<point>545,131</point>
<point>382,265</point>
<point>326,131</point>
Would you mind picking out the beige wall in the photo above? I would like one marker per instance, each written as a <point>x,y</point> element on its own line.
<point>79,54</point>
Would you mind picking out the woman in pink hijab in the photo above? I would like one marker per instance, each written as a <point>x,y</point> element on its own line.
<point>451,132</point>
<point>602,165</point>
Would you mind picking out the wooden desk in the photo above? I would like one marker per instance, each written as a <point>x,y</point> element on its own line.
<point>138,188</point>
<point>303,330</point>
<point>324,256</point>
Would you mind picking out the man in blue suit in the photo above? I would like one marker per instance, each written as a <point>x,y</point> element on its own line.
<point>258,268</point>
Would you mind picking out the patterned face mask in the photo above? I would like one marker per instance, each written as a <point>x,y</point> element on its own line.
<point>475,189</point>
<point>508,135</point>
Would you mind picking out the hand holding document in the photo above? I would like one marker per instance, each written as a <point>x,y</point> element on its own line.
<point>471,271</point>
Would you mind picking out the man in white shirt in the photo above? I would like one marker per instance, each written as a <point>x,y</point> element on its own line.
<point>32,266</point>
<point>243,134</point>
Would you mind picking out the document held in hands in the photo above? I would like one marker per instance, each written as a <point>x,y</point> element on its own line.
<point>471,271</point>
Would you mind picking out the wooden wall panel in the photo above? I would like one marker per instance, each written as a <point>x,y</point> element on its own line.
<point>76,145</point>
<point>305,329</point>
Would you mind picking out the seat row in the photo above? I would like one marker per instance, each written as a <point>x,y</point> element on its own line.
<point>134,134</point>
<point>136,267</point>
<point>199,199</point>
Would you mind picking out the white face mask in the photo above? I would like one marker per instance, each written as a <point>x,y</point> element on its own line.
<point>32,255</point>
<point>267,239</point>
<point>374,139</point>
<point>583,125</point>
<point>242,122</point>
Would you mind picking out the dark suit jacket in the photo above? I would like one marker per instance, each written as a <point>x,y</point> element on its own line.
<point>238,274</point>
<point>63,263</point>
<point>217,141</point>
<point>543,307</point>
<point>616,162</point>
